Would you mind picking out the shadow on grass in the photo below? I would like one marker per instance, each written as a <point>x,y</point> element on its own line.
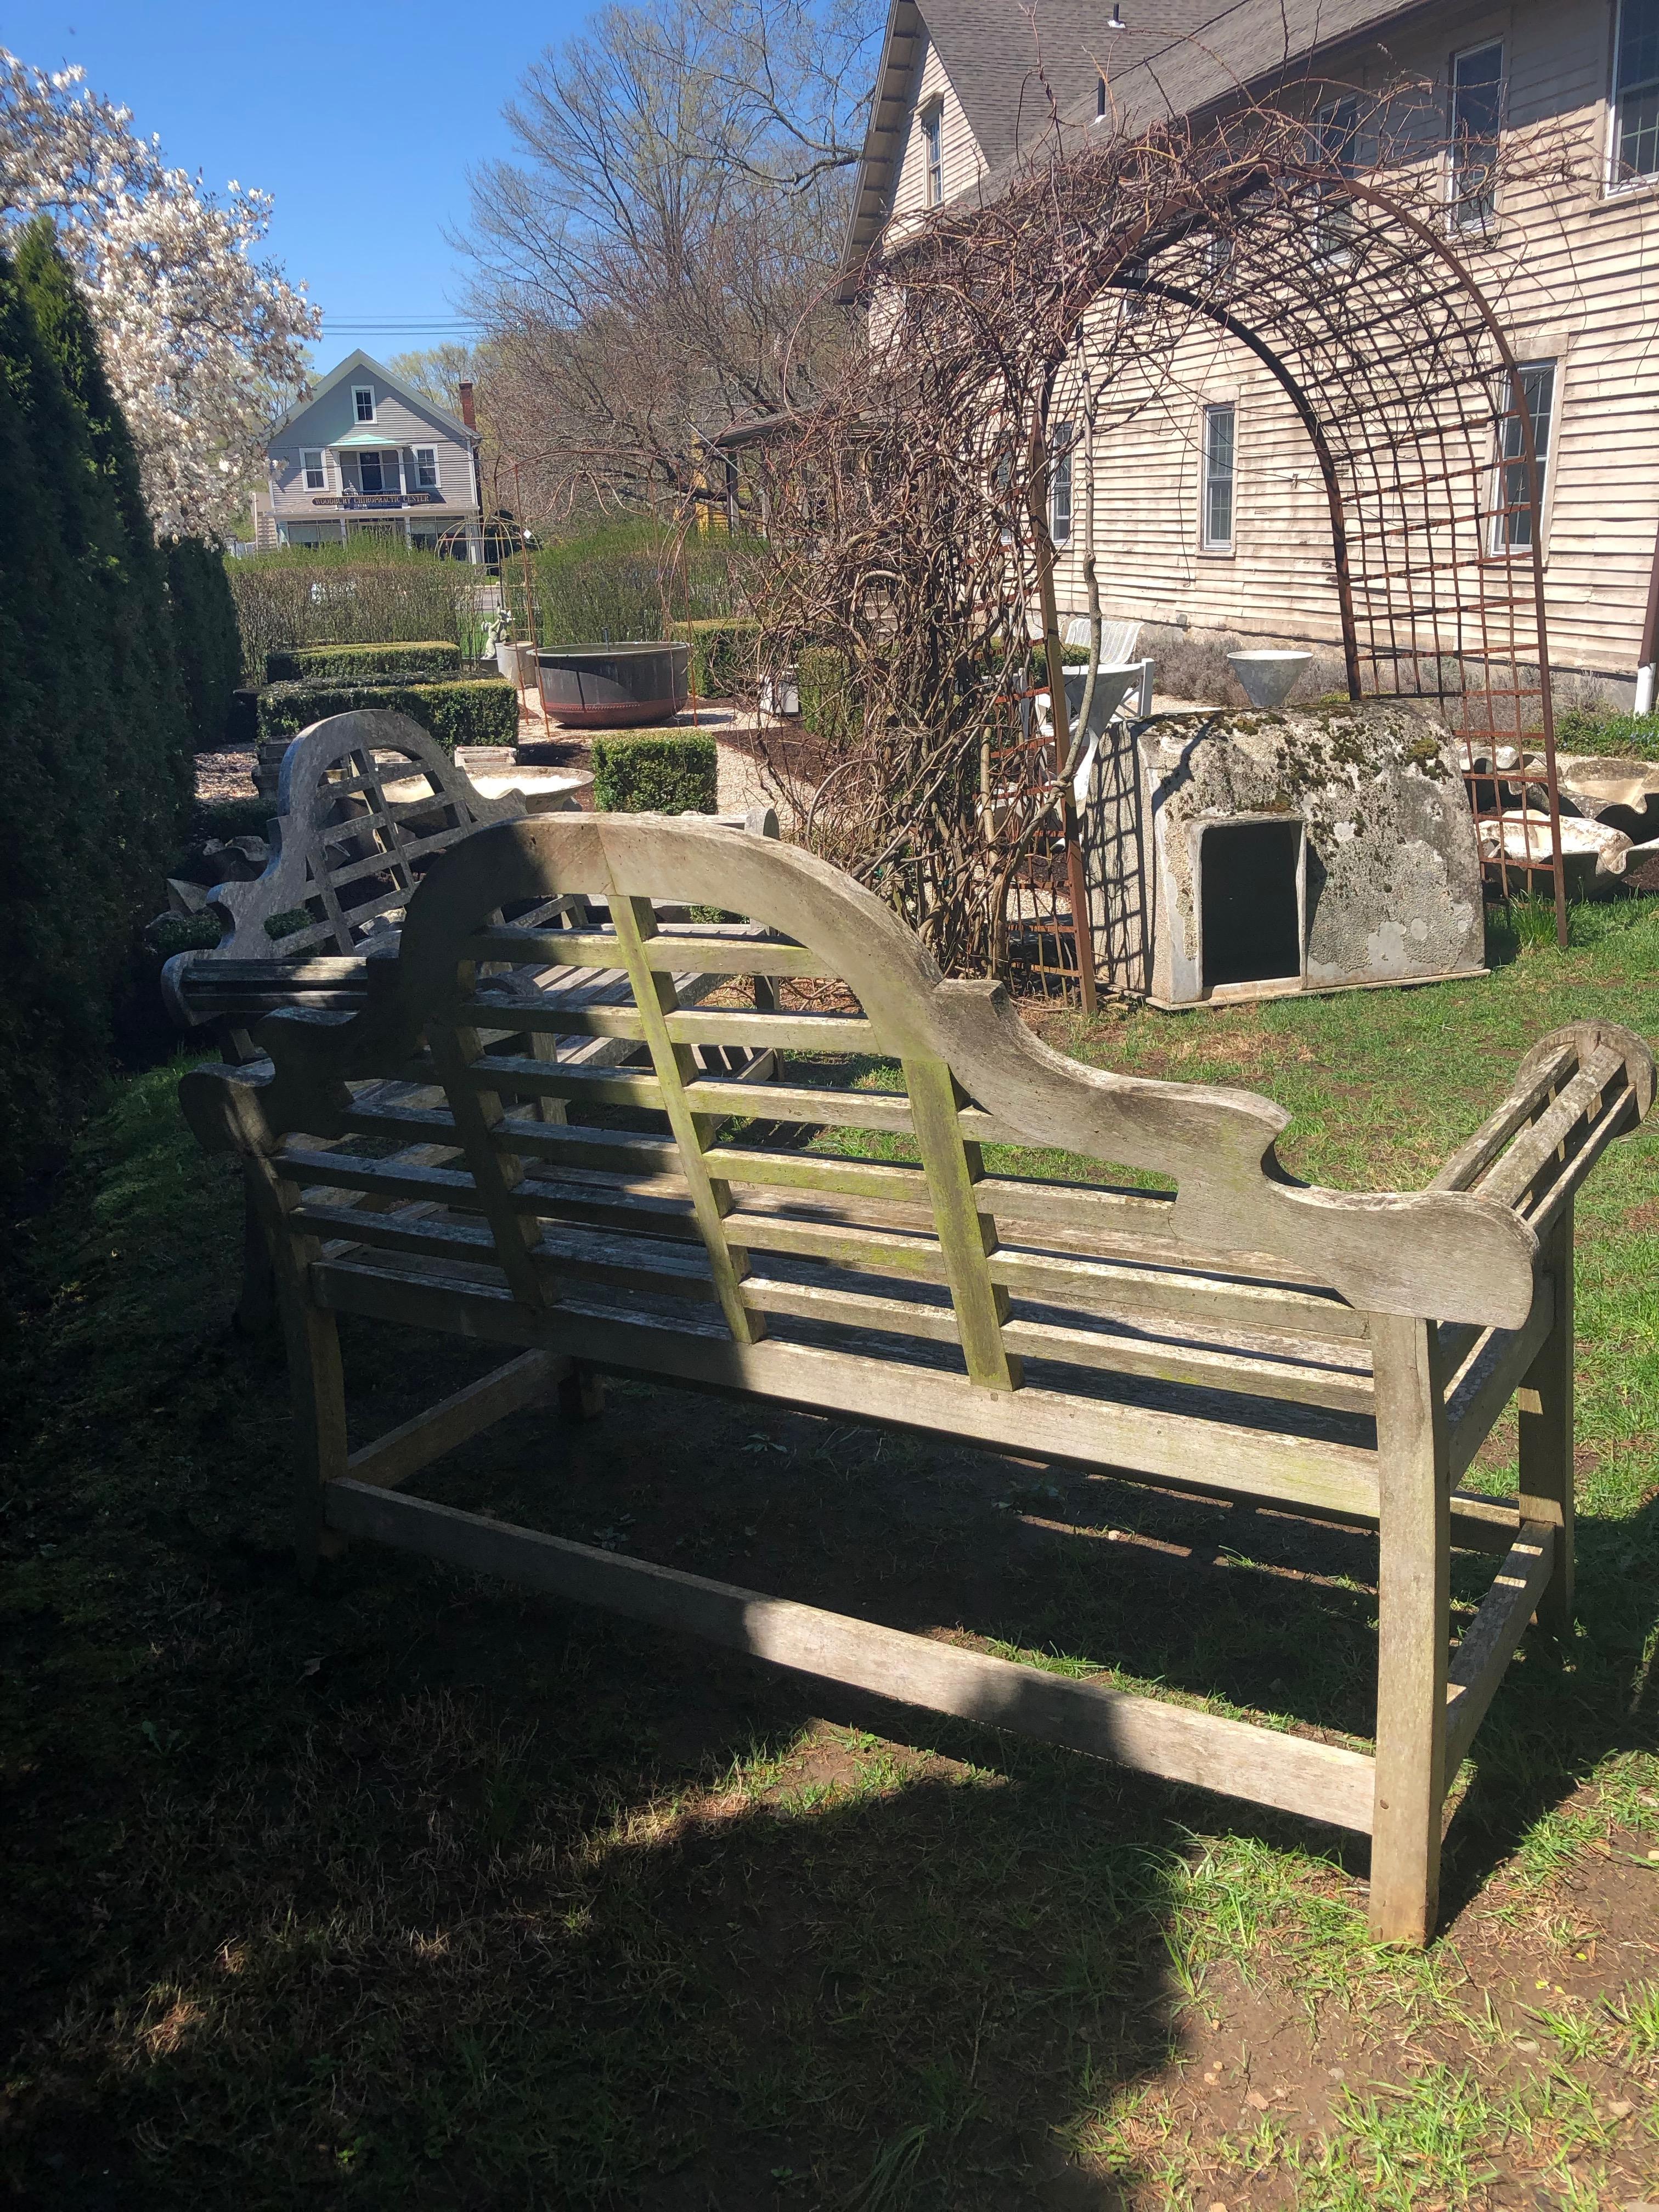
<point>410,1891</point>
<point>592,1926</point>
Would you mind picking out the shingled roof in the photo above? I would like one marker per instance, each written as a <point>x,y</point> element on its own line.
<point>1172,58</point>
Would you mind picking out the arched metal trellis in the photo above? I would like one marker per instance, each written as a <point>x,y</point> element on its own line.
<point>1081,293</point>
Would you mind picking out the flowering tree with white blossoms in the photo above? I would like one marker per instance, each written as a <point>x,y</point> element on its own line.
<point>203,342</point>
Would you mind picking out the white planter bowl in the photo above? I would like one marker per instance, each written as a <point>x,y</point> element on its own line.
<point>1268,677</point>
<point>1111,688</point>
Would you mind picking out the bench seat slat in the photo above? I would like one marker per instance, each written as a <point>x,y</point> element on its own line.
<point>1097,1432</point>
<point>1129,1284</point>
<point>1035,1341</point>
<point>763,1032</point>
<point>578,1243</point>
<point>671,949</point>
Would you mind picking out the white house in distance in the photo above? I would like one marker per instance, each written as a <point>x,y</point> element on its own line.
<point>365,454</point>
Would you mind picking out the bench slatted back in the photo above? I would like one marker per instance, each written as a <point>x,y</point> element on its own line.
<point>839,1184</point>
<point>365,802</point>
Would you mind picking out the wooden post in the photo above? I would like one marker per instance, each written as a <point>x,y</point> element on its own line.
<point>1546,1403</point>
<point>1413,1627</point>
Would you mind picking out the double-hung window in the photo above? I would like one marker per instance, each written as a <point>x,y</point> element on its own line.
<point>362,401</point>
<point>1221,425</point>
<point>316,474</point>
<point>1635,91</point>
<point>1512,519</point>
<point>932,150</point>
<point>1335,147</point>
<point>1060,483</point>
<point>1477,98</point>
<point>425,468</point>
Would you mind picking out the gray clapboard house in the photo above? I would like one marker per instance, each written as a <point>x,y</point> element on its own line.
<point>364,452</point>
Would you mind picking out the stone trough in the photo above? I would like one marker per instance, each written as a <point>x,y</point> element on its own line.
<point>1609,809</point>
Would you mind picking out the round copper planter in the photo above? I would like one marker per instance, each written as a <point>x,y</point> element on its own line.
<point>615,687</point>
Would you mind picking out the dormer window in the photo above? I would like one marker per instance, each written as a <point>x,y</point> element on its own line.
<point>362,399</point>
<point>933,147</point>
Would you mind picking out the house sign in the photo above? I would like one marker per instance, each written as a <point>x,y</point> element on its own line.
<point>362,499</point>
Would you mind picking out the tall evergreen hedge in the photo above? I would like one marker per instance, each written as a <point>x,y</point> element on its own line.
<point>94,760</point>
<point>207,640</point>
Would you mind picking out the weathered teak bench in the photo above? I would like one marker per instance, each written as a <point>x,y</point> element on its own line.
<point>365,803</point>
<point>1338,1354</point>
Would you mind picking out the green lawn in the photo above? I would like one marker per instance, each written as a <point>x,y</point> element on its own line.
<point>410,1891</point>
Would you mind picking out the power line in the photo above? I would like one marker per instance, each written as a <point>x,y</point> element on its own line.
<point>394,328</point>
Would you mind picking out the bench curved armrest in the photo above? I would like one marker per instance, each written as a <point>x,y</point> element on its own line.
<point>1576,1091</point>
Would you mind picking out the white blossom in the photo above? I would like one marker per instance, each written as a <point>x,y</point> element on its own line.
<point>204,343</point>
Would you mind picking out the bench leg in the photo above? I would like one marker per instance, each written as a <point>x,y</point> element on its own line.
<point>581,1394</point>
<point>1545,1400</point>
<point>316,1379</point>
<point>317,1397</point>
<point>256,1304</point>
<point>317,1393</point>
<point>1413,1629</point>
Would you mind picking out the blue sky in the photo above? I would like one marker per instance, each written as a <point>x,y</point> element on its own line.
<point>362,117</point>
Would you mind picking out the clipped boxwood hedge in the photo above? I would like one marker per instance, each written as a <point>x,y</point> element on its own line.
<point>351,663</point>
<point>725,653</point>
<point>673,774</point>
<point>1071,656</point>
<point>481,712</point>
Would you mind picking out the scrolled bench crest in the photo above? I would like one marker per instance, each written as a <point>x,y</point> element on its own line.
<point>1337,1353</point>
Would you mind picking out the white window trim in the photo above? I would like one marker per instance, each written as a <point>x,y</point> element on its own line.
<point>357,390</point>
<point>1497,520</point>
<point>1062,471</point>
<point>1485,227</point>
<point>306,452</point>
<point>931,119</point>
<point>437,483</point>
<point>1222,549</point>
<point>1614,185</point>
